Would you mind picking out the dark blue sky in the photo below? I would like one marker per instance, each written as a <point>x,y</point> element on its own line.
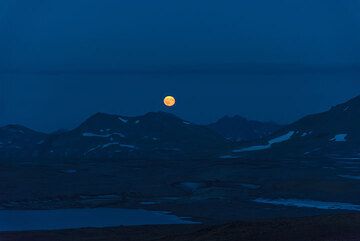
<point>276,60</point>
<point>93,35</point>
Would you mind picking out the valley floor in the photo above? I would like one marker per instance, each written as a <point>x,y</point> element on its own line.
<point>212,192</point>
<point>336,227</point>
<point>208,191</point>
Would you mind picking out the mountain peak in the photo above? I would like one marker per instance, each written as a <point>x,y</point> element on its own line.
<point>151,135</point>
<point>161,115</point>
<point>101,115</point>
<point>103,120</point>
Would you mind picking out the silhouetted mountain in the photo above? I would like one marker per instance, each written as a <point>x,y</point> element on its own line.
<point>151,135</point>
<point>18,141</point>
<point>331,134</point>
<point>238,128</point>
<point>334,134</point>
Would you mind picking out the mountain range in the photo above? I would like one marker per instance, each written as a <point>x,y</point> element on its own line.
<point>331,134</point>
<point>152,135</point>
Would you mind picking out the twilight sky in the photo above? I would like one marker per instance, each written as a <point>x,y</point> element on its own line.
<point>113,35</point>
<point>51,102</point>
<point>276,60</point>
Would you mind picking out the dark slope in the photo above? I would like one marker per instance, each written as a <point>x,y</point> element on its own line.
<point>19,142</point>
<point>152,135</point>
<point>238,128</point>
<point>334,133</point>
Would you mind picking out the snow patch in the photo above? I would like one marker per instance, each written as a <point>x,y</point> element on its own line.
<point>306,133</point>
<point>339,138</point>
<point>350,177</point>
<point>253,148</point>
<point>279,139</point>
<point>123,120</point>
<point>118,134</point>
<point>186,123</point>
<point>119,144</point>
<point>89,134</point>
<point>128,146</point>
<point>304,203</point>
<point>110,144</point>
<point>282,138</point>
<point>92,149</point>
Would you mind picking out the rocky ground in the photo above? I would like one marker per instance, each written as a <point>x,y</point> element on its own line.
<point>338,227</point>
<point>213,192</point>
<point>210,191</point>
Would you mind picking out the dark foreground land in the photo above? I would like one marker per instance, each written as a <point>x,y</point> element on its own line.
<point>337,227</point>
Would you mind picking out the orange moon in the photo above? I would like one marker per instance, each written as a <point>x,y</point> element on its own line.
<point>169,101</point>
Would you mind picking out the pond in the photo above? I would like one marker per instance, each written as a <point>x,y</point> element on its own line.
<point>28,220</point>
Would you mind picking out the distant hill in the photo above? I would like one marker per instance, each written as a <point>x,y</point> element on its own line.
<point>17,141</point>
<point>334,134</point>
<point>237,128</point>
<point>153,135</point>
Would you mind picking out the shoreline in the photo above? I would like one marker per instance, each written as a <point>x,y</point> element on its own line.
<point>344,227</point>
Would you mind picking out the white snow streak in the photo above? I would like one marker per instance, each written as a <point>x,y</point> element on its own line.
<point>339,138</point>
<point>300,203</point>
<point>123,120</point>
<point>279,139</point>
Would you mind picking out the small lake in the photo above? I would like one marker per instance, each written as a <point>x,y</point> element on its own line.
<point>306,203</point>
<point>28,220</point>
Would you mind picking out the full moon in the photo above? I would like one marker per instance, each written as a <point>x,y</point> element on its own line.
<point>169,101</point>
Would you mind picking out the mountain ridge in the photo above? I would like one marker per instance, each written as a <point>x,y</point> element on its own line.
<point>238,128</point>
<point>334,133</point>
<point>153,134</point>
